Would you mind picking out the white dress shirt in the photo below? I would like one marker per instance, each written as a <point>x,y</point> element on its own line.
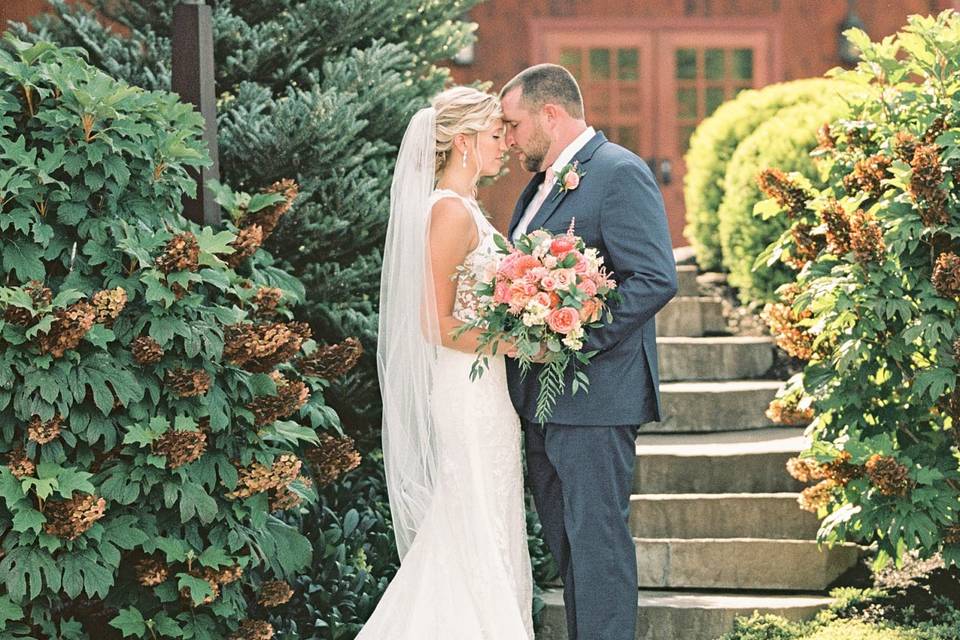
<point>565,157</point>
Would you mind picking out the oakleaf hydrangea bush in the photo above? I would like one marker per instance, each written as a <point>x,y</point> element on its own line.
<point>874,309</point>
<point>160,410</point>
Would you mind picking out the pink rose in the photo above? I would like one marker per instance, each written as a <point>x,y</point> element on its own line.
<point>562,246</point>
<point>525,263</point>
<point>564,278</point>
<point>548,282</point>
<point>542,299</point>
<point>571,181</point>
<point>501,293</point>
<point>563,320</point>
<point>588,287</point>
<point>538,274</point>
<point>581,266</point>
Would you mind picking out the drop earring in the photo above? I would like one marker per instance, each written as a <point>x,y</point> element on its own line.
<point>464,163</point>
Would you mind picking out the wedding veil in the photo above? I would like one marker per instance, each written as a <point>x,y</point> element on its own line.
<point>409,333</point>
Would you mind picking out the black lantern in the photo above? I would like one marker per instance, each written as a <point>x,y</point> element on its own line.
<point>848,52</point>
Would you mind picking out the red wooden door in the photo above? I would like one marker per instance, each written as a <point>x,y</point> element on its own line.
<point>647,85</point>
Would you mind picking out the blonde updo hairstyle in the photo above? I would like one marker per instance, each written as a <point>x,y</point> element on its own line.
<point>462,110</point>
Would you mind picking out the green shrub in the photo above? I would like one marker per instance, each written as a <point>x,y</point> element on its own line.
<point>147,394</point>
<point>764,627</point>
<point>857,630</point>
<point>712,145</point>
<point>785,140</point>
<point>876,299</point>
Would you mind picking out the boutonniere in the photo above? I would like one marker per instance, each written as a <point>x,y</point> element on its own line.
<point>569,177</point>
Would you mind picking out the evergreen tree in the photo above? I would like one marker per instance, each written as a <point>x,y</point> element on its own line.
<point>316,90</point>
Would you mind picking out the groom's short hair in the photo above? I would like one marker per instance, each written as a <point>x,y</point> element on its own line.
<point>547,83</point>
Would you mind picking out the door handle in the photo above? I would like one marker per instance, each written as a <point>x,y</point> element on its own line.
<point>666,172</point>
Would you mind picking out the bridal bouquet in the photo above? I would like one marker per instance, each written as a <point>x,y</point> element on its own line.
<point>543,291</point>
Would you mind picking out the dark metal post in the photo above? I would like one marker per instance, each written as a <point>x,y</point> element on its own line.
<point>193,80</point>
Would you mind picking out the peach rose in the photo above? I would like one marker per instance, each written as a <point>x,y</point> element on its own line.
<point>501,292</point>
<point>590,311</point>
<point>563,320</point>
<point>564,278</point>
<point>542,299</point>
<point>571,181</point>
<point>588,287</point>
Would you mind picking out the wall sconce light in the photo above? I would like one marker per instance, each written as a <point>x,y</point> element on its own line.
<point>848,52</point>
<point>464,56</point>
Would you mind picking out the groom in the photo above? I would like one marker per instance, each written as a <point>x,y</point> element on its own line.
<point>580,465</point>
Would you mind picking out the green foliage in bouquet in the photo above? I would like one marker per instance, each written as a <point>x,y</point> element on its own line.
<point>875,306</point>
<point>713,144</point>
<point>785,141</point>
<point>319,91</point>
<point>155,399</point>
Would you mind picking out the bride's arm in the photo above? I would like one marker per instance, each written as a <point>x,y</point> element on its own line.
<point>453,234</point>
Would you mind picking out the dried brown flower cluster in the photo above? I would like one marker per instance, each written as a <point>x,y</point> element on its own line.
<point>151,571</point>
<point>331,361</point>
<point>40,296</point>
<point>938,126</point>
<point>806,469</point>
<point>785,411</point>
<point>248,240</point>
<point>146,350</point>
<point>946,275</point>
<point>838,228</point>
<point>269,217</point>
<point>291,395</point>
<point>266,301</point>
<point>868,175</point>
<point>775,184</point>
<point>866,237</point>
<point>283,498</point>
<point>43,432</point>
<point>261,347</point>
<point>216,578</point>
<point>806,246</point>
<point>925,185</point>
<point>258,478</point>
<point>784,324</point>
<point>108,304</point>
<point>952,534</point>
<point>274,593</point>
<point>188,383</point>
<point>180,447</point>
<point>253,630</point>
<point>841,470</point>
<point>68,329</point>
<point>68,519</point>
<point>905,145</point>
<point>825,137</point>
<point>19,464</point>
<point>332,458</point>
<point>889,476</point>
<point>182,253</point>
<point>814,497</point>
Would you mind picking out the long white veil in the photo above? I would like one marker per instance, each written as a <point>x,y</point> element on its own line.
<point>409,333</point>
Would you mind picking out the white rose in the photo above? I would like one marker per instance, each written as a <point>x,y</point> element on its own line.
<point>550,262</point>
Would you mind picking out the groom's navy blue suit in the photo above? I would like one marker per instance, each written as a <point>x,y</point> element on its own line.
<point>580,465</point>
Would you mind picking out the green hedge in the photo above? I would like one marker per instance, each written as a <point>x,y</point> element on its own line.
<point>711,147</point>
<point>785,141</point>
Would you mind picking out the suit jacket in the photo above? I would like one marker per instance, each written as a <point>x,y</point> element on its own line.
<point>619,211</point>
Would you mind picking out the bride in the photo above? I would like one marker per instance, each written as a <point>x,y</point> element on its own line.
<point>451,446</point>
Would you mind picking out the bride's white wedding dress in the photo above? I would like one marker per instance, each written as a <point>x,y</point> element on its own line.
<point>467,574</point>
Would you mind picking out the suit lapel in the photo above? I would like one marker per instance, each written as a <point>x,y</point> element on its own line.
<point>555,197</point>
<point>524,200</point>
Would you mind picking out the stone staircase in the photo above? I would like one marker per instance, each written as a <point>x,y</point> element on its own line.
<point>714,515</point>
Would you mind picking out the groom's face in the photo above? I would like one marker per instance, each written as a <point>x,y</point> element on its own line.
<point>525,132</point>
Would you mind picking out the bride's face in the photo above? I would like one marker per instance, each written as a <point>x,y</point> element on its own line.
<point>492,144</point>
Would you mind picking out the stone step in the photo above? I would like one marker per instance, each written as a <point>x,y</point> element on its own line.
<point>740,563</point>
<point>721,515</point>
<point>691,316</point>
<point>669,615</point>
<point>717,405</point>
<point>732,462</point>
<point>717,358</point>
<point>687,280</point>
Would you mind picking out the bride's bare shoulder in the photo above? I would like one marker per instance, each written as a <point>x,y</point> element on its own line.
<point>450,220</point>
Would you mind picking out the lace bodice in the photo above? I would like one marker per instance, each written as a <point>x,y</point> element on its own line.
<point>467,302</point>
